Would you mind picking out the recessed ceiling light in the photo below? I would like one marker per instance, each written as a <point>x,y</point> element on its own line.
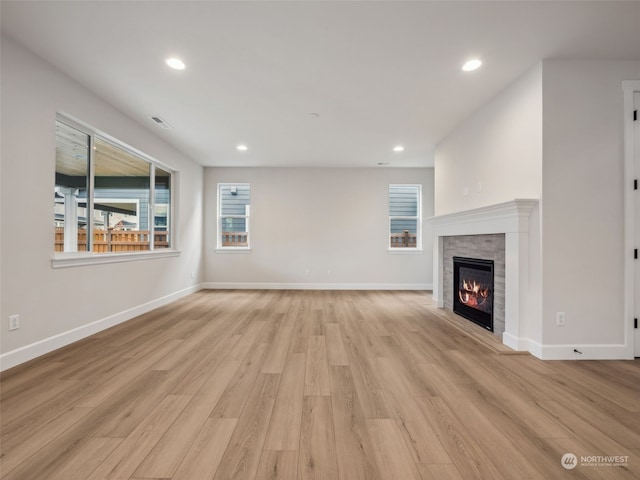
<point>242,148</point>
<point>175,63</point>
<point>472,65</point>
<point>314,115</point>
<point>398,148</point>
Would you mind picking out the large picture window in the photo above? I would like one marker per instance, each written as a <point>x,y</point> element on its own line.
<point>234,202</point>
<point>405,216</point>
<point>108,198</point>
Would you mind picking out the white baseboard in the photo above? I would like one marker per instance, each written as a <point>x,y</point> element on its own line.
<point>316,286</point>
<point>588,352</point>
<point>518,344</point>
<point>566,352</point>
<point>34,350</point>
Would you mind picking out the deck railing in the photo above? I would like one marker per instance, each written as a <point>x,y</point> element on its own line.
<point>105,241</point>
<point>403,240</point>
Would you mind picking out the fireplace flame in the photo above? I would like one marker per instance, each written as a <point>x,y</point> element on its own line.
<point>472,293</point>
<point>470,287</point>
<point>463,296</point>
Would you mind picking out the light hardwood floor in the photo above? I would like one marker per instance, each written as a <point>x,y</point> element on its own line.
<point>311,385</point>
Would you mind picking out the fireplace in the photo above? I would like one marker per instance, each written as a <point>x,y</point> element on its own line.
<point>473,290</point>
<point>509,234</point>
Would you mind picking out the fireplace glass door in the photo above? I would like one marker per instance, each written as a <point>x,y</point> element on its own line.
<point>473,290</point>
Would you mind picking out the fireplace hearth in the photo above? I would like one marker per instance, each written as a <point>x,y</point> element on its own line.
<point>473,290</point>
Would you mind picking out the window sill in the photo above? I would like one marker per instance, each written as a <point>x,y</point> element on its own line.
<point>66,260</point>
<point>405,251</point>
<point>233,250</point>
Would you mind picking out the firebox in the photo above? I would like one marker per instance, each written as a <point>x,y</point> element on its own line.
<point>473,290</point>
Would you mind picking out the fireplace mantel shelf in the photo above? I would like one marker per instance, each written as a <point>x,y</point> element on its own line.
<point>511,219</point>
<point>506,217</point>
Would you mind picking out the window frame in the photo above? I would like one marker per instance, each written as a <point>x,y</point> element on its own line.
<point>89,257</point>
<point>418,218</point>
<point>247,217</point>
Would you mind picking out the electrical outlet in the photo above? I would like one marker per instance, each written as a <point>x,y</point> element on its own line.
<point>560,319</point>
<point>329,273</point>
<point>14,322</point>
<point>193,275</point>
<point>307,273</point>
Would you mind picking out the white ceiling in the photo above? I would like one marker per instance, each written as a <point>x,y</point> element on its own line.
<point>378,73</point>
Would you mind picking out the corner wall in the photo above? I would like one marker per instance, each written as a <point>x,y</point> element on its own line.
<point>583,221</point>
<point>563,121</point>
<point>330,221</point>
<point>57,306</point>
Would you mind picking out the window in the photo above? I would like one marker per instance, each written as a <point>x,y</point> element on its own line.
<point>405,216</point>
<point>234,201</point>
<point>71,185</point>
<point>105,187</point>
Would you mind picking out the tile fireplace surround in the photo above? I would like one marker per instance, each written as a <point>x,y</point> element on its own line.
<point>512,220</point>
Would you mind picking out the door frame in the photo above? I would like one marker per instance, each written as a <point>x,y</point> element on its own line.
<point>629,88</point>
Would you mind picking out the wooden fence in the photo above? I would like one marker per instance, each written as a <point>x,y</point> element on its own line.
<point>235,239</point>
<point>105,241</point>
<point>403,240</point>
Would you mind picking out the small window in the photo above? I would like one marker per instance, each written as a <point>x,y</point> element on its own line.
<point>108,197</point>
<point>405,216</point>
<point>234,202</point>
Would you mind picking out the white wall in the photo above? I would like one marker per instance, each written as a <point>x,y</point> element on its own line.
<point>499,146</point>
<point>583,223</point>
<point>320,220</point>
<point>55,301</point>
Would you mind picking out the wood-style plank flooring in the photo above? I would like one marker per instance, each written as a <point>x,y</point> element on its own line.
<point>292,385</point>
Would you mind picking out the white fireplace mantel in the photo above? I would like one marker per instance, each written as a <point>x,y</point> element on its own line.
<point>511,219</point>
